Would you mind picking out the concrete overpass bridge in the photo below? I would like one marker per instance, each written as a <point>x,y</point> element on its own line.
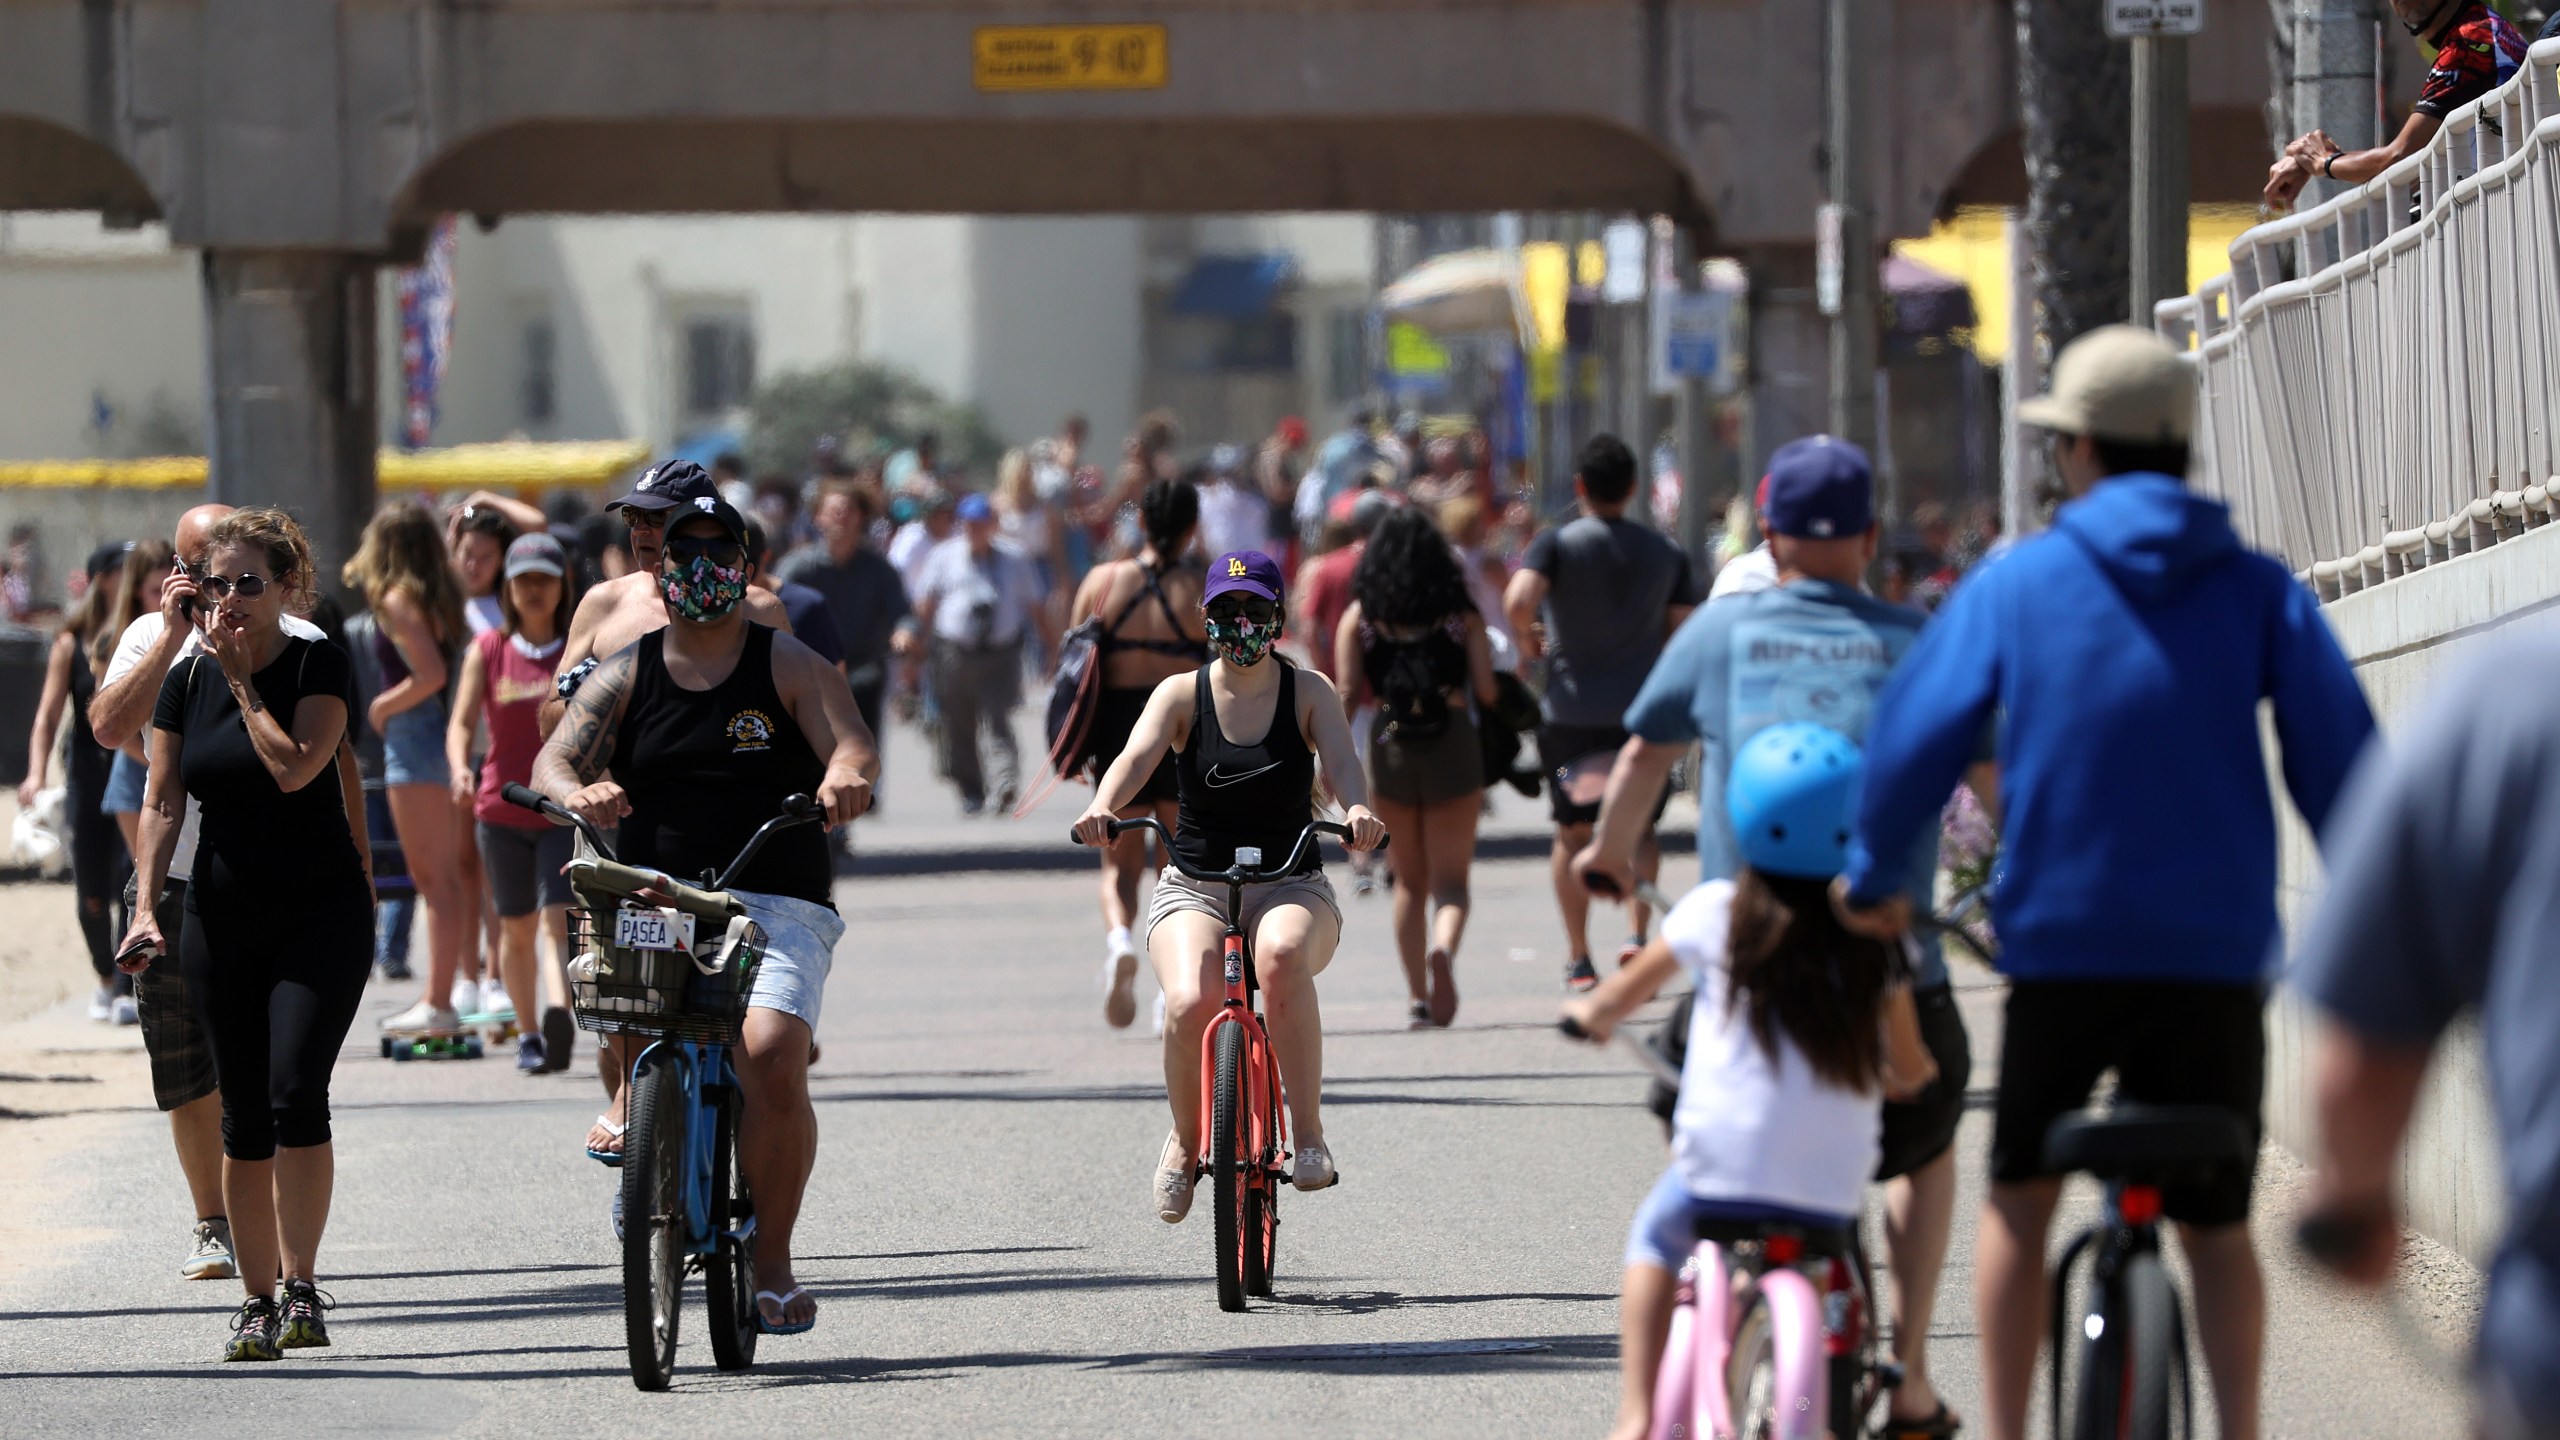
<point>299,143</point>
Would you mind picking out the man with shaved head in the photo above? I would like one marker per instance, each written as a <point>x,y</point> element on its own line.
<point>182,1078</point>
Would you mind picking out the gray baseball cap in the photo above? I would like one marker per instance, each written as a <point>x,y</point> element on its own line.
<point>2121,383</point>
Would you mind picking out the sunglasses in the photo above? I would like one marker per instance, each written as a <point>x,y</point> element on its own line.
<point>639,519</point>
<point>250,586</point>
<point>1260,612</point>
<point>720,550</point>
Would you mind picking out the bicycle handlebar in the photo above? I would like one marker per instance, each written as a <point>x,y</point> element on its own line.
<point>796,810</point>
<point>1233,875</point>
<point>1654,1065</point>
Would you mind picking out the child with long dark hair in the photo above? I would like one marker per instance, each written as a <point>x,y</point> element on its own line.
<point>1800,1030</point>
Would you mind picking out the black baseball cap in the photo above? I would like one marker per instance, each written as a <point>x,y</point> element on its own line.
<point>715,507</point>
<point>663,487</point>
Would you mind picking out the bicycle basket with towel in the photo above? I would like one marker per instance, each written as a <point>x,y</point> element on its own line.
<point>679,972</point>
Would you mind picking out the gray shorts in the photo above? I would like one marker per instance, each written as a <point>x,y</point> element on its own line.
<point>524,864</point>
<point>1178,893</point>
<point>799,948</point>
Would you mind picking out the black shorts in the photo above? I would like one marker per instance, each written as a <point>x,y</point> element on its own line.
<point>172,1036</point>
<point>523,866</point>
<point>1562,745</point>
<point>1921,1129</point>
<point>2169,1044</point>
<point>1115,716</point>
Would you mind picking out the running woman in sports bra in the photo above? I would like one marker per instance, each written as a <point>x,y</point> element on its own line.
<point>1144,643</point>
<point>1236,793</point>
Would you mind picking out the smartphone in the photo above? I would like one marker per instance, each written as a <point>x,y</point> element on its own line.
<point>139,955</point>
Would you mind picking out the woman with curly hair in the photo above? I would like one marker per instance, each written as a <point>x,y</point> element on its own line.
<point>402,570</point>
<point>1415,642</point>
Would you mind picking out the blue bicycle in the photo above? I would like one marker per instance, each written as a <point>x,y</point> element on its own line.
<point>672,965</point>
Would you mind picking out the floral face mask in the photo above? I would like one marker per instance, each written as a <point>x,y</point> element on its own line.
<point>1242,639</point>
<point>700,589</point>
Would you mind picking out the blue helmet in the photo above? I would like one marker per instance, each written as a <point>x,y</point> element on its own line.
<point>1791,794</point>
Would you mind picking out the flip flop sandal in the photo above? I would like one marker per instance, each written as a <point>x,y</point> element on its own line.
<point>1935,1425</point>
<point>781,1302</point>
<point>611,1158</point>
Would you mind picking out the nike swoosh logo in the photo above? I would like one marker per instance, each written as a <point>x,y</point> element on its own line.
<point>1218,781</point>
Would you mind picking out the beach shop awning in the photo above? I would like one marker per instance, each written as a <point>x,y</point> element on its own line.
<point>1465,292</point>
<point>1236,287</point>
<point>498,465</point>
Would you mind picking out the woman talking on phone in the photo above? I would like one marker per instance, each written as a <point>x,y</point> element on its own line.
<point>280,932</point>
<point>1237,792</point>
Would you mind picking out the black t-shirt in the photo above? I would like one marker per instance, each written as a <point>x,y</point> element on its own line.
<point>250,822</point>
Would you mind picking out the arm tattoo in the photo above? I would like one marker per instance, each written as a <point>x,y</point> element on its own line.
<point>578,750</point>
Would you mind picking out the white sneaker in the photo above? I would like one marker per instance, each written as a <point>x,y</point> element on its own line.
<point>493,999</point>
<point>209,1256</point>
<point>102,1005</point>
<point>1119,984</point>
<point>1159,1012</point>
<point>126,1012</point>
<point>465,999</point>
<point>423,1016</point>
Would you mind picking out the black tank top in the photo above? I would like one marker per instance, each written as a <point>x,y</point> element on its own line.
<point>704,768</point>
<point>1259,794</point>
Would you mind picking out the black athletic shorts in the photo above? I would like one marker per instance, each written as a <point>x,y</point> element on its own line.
<point>1560,746</point>
<point>2170,1043</point>
<point>1919,1130</point>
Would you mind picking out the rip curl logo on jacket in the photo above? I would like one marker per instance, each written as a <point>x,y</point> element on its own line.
<point>750,731</point>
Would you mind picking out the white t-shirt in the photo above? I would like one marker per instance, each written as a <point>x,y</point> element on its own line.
<point>1752,570</point>
<point>1748,1129</point>
<point>136,642</point>
<point>907,551</point>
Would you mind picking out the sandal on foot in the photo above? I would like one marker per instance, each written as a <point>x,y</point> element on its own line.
<point>1936,1425</point>
<point>781,1302</point>
<point>612,1158</point>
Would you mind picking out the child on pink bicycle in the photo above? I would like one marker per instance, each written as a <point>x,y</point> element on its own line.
<point>1799,1031</point>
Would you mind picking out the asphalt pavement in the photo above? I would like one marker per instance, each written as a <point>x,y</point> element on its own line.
<point>978,1231</point>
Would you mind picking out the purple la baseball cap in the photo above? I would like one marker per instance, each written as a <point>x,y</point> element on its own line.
<point>1248,571</point>
<point>1820,488</point>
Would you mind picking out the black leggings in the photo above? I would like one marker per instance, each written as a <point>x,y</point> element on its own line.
<point>275,971</point>
<point>97,881</point>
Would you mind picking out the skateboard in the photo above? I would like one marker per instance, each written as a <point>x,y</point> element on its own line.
<point>467,1039</point>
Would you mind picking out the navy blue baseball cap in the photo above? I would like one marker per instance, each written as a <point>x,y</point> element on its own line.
<point>1248,572</point>
<point>1820,488</point>
<point>664,487</point>
<point>974,506</point>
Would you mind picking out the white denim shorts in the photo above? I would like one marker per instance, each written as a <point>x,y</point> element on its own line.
<point>799,949</point>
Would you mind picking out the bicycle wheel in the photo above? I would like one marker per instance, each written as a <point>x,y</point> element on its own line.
<point>653,1222</point>
<point>729,1277</point>
<point>1227,1165</point>
<point>2158,1353</point>
<point>1262,1202</point>
<point>1751,1374</point>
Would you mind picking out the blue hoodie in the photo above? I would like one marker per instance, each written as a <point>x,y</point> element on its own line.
<point>2123,656</point>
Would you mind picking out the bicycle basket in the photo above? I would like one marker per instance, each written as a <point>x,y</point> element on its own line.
<point>665,994</point>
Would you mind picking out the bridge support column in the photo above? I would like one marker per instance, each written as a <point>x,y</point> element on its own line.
<point>290,336</point>
<point>1790,352</point>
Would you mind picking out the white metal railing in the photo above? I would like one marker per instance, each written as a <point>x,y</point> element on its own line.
<point>2379,389</point>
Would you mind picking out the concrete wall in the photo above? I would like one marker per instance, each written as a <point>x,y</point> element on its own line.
<point>87,312</point>
<point>2403,636</point>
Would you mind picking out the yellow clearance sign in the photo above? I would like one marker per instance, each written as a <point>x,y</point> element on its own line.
<point>1069,57</point>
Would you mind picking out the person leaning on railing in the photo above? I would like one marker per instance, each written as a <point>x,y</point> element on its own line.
<point>2472,50</point>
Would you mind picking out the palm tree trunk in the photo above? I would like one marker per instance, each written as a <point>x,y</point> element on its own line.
<point>2075,99</point>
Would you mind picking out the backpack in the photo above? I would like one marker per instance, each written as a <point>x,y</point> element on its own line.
<point>1411,701</point>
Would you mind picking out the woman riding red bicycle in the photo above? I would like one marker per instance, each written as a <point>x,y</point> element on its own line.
<point>1241,794</point>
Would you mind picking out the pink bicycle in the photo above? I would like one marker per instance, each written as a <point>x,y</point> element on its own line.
<point>1773,1334</point>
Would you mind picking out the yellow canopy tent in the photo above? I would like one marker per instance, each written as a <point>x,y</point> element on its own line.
<point>522,465</point>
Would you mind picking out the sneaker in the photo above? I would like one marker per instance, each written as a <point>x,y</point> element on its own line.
<point>1579,976</point>
<point>1628,952</point>
<point>423,1016</point>
<point>103,1004</point>
<point>1417,1016</point>
<point>1159,1025</point>
<point>1174,1182</point>
<point>210,1257</point>
<point>465,999</point>
<point>126,1012</point>
<point>304,1329</point>
<point>559,1037</point>
<point>1002,805</point>
<point>396,967</point>
<point>1363,882</point>
<point>529,1059</point>
<point>253,1331</point>
<point>1120,986</point>
<point>1314,1169</point>
<point>494,1001</point>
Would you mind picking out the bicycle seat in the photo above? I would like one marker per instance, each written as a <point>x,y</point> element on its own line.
<point>1818,1240</point>
<point>2148,1144</point>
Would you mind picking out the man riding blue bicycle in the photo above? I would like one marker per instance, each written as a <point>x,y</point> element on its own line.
<point>689,740</point>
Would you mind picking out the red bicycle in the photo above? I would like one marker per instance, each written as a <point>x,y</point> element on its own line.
<point>1244,1154</point>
